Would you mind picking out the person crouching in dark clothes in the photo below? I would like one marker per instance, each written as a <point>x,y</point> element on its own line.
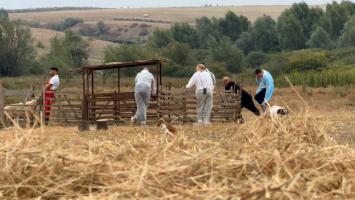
<point>247,99</point>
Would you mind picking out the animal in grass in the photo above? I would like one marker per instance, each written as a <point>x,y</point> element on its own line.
<point>278,111</point>
<point>167,128</point>
<point>27,106</point>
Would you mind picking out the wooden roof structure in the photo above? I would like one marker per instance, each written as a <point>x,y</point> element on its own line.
<point>120,65</point>
<point>89,82</point>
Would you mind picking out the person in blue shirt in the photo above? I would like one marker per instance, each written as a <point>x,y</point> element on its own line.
<point>266,87</point>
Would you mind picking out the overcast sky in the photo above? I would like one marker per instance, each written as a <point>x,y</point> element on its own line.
<point>17,4</point>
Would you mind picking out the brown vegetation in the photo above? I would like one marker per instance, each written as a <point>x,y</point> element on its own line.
<point>301,156</point>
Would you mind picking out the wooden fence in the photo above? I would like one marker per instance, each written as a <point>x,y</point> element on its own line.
<point>181,106</point>
<point>65,110</point>
<point>173,105</point>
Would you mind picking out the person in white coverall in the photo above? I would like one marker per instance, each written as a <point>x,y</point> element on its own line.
<point>203,82</point>
<point>145,86</point>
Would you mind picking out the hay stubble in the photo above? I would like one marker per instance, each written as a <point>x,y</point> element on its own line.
<point>292,158</point>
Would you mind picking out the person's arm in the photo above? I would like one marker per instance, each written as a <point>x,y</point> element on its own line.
<point>154,86</point>
<point>269,89</point>
<point>136,79</point>
<point>48,86</point>
<point>213,79</point>
<point>259,86</point>
<point>191,82</point>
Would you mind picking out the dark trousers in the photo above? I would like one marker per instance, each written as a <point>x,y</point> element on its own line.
<point>248,103</point>
<point>260,96</point>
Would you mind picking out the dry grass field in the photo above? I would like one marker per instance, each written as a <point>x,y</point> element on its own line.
<point>302,156</point>
<point>44,36</point>
<point>188,14</point>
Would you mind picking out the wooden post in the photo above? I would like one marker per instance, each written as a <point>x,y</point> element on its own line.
<point>102,124</point>
<point>115,100</point>
<point>2,102</point>
<point>83,125</point>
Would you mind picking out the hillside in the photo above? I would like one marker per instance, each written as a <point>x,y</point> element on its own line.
<point>188,14</point>
<point>131,25</point>
<point>97,47</point>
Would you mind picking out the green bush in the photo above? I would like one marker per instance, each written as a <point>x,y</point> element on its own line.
<point>343,56</point>
<point>179,53</point>
<point>255,59</point>
<point>307,60</point>
<point>218,69</point>
<point>67,23</point>
<point>229,54</point>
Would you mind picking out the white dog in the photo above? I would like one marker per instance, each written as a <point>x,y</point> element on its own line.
<point>278,110</point>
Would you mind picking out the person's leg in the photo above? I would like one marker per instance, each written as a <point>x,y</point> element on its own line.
<point>260,97</point>
<point>48,101</point>
<point>200,101</point>
<point>248,103</point>
<point>137,100</point>
<point>140,102</point>
<point>146,99</point>
<point>208,106</point>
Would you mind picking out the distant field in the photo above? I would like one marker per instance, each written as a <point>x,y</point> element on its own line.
<point>166,14</point>
<point>97,47</point>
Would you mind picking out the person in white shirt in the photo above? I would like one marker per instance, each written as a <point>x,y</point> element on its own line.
<point>203,82</point>
<point>49,96</point>
<point>145,86</point>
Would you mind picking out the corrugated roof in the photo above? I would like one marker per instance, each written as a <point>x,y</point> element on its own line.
<point>118,65</point>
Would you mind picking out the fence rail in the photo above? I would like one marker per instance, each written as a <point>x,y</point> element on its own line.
<point>176,105</point>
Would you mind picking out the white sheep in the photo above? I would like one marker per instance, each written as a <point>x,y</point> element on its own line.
<point>27,106</point>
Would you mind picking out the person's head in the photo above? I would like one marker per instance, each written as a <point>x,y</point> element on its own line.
<point>145,68</point>
<point>226,80</point>
<point>200,67</point>
<point>53,71</point>
<point>259,73</point>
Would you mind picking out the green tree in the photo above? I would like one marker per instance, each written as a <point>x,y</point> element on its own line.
<point>208,31</point>
<point>218,69</point>
<point>179,53</point>
<point>347,39</point>
<point>232,25</point>
<point>246,42</point>
<point>255,59</point>
<point>337,14</point>
<point>291,34</point>
<point>160,38</point>
<point>185,33</point>
<point>4,13</point>
<point>320,39</point>
<point>228,54</point>
<point>296,24</point>
<point>67,23</point>
<point>127,53</point>
<point>68,51</point>
<point>16,48</point>
<point>101,27</point>
<point>265,35</point>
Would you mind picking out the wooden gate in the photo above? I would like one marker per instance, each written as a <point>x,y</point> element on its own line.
<point>181,106</point>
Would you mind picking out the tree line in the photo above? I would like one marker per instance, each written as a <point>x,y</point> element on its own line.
<point>19,56</point>
<point>232,43</point>
<point>302,38</point>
